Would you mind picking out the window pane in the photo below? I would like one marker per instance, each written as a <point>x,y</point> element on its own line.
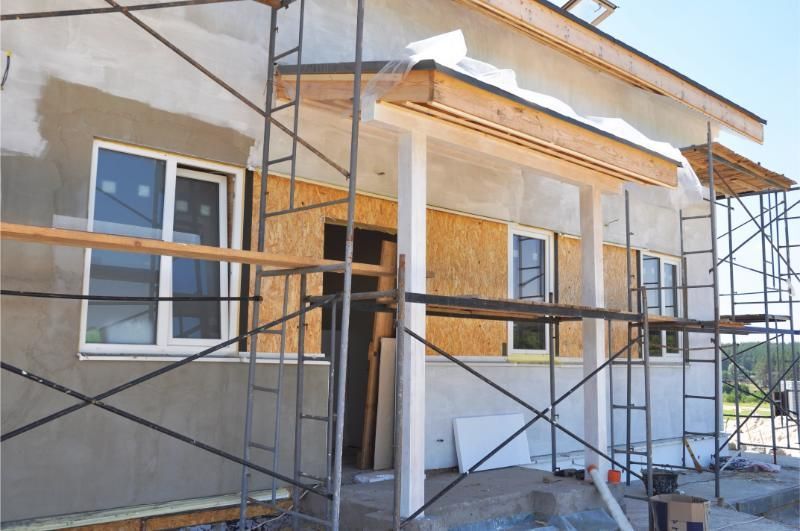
<point>672,342</point>
<point>670,295</point>
<point>129,197</point>
<point>529,336</point>
<point>129,275</point>
<point>129,194</point>
<point>651,279</point>
<point>529,274</point>
<point>529,284</point>
<point>196,221</point>
<point>654,345</point>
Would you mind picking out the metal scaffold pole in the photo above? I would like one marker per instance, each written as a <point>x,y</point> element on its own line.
<point>348,271</point>
<point>712,197</point>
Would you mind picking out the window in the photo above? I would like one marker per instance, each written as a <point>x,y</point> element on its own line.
<point>529,279</point>
<point>149,194</point>
<point>660,278</point>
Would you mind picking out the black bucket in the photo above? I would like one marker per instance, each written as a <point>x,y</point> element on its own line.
<point>664,481</point>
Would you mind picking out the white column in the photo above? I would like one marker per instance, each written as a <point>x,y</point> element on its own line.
<point>595,391</point>
<point>412,181</point>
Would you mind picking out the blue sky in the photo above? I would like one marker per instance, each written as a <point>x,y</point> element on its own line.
<point>748,52</point>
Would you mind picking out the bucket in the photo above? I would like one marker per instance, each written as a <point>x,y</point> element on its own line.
<point>614,477</point>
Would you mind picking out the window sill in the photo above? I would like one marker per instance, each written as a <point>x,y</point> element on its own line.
<point>241,357</point>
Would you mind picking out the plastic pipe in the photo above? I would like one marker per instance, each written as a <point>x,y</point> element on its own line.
<point>608,498</point>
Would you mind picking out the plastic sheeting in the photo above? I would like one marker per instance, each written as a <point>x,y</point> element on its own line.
<point>450,50</point>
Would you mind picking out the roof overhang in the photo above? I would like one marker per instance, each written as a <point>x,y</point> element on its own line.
<point>734,174</point>
<point>577,38</point>
<point>444,95</point>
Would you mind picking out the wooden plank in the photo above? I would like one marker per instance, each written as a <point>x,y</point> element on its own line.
<point>416,86</point>
<point>181,520</point>
<point>382,326</point>
<point>112,242</point>
<point>550,26</point>
<point>554,132</point>
<point>736,171</point>
<point>384,424</point>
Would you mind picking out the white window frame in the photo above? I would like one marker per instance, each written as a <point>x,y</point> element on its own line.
<point>547,236</point>
<point>665,259</point>
<point>230,273</point>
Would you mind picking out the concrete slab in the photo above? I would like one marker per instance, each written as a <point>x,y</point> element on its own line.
<point>512,494</point>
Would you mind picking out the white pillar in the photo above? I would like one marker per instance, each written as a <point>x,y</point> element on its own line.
<point>412,181</point>
<point>595,391</point>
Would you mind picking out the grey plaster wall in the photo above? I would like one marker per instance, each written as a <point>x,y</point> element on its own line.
<point>101,76</point>
<point>92,459</point>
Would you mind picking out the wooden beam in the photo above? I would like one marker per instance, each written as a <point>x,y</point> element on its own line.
<point>412,184</point>
<point>553,27</point>
<point>595,391</point>
<point>382,326</point>
<point>437,91</point>
<point>112,242</point>
<point>552,132</point>
<point>489,145</point>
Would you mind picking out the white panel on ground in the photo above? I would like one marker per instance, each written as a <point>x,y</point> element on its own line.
<point>477,436</point>
<point>384,420</point>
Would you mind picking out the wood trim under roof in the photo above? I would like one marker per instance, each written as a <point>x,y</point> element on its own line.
<point>559,29</point>
<point>440,93</point>
<point>734,173</point>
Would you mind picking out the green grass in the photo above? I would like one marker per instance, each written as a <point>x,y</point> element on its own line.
<point>744,409</point>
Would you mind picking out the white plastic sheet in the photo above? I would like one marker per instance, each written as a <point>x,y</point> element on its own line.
<point>450,50</point>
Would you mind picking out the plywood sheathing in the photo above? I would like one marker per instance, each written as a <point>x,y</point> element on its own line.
<point>466,256</point>
<point>742,175</point>
<point>569,292</point>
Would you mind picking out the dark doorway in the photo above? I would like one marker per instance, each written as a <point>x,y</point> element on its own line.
<point>366,249</point>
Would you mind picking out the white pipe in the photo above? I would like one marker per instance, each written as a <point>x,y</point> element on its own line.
<point>610,501</point>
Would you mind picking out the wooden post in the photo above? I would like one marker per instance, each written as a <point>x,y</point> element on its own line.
<point>595,391</point>
<point>411,240</point>
<point>382,326</point>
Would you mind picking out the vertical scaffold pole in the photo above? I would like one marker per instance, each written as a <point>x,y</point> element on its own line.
<point>795,371</point>
<point>765,286</point>
<point>348,271</point>
<point>712,198</point>
<point>552,373</point>
<point>251,370</point>
<point>629,352</point>
<point>733,316</point>
<point>648,417</point>
<point>400,369</point>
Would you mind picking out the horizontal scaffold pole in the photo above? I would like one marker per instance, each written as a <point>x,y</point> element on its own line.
<point>158,372</point>
<point>130,244</point>
<point>159,428</point>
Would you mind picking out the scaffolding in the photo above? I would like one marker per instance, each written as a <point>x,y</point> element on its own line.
<point>772,226</point>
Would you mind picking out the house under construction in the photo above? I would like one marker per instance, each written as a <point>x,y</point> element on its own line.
<point>250,247</point>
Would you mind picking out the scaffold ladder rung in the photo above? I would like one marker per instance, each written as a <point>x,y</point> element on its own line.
<point>283,106</point>
<point>286,53</point>
<point>260,446</point>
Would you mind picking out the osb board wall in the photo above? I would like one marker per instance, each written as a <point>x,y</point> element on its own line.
<point>569,292</point>
<point>465,256</point>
